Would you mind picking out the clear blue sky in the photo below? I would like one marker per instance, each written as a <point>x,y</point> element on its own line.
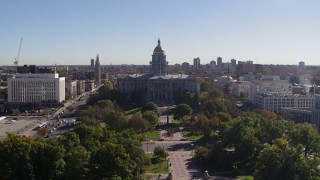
<point>126,31</point>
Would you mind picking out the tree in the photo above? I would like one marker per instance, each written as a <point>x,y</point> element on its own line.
<point>112,94</point>
<point>15,157</point>
<point>131,143</point>
<point>170,132</point>
<point>95,112</point>
<point>106,104</point>
<point>215,93</point>
<point>67,96</point>
<point>282,161</point>
<point>89,136</point>
<point>109,161</point>
<point>69,141</point>
<point>205,86</point>
<point>307,135</point>
<point>185,98</point>
<point>181,110</point>
<point>224,117</point>
<point>160,152</point>
<point>152,117</point>
<point>209,108</point>
<point>116,120</point>
<point>150,107</point>
<point>202,125</point>
<point>201,154</point>
<point>266,114</point>
<point>107,86</point>
<point>88,121</point>
<point>269,129</point>
<point>241,135</point>
<point>77,161</point>
<point>47,159</point>
<point>220,105</point>
<point>138,123</point>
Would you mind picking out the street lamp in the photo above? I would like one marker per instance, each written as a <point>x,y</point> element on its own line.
<point>168,111</point>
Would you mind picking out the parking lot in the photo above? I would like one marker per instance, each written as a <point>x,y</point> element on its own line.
<point>53,119</point>
<point>19,125</point>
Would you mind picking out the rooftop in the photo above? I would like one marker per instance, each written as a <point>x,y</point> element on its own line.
<point>149,76</point>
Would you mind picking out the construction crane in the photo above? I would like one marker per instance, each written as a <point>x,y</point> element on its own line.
<point>16,61</point>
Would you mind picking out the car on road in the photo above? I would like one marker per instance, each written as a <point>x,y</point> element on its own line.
<point>160,139</point>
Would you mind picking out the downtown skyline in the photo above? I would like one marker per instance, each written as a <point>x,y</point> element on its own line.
<point>125,32</point>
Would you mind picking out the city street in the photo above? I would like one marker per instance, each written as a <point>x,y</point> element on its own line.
<point>180,152</point>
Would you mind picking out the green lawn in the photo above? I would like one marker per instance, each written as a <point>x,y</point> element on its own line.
<point>174,121</point>
<point>161,167</point>
<point>131,111</point>
<point>153,134</point>
<point>191,136</point>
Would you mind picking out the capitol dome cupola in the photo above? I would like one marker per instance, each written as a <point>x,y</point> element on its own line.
<point>158,49</point>
<point>159,65</point>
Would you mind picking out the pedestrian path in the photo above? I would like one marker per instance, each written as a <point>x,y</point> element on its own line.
<point>182,166</point>
<point>178,165</point>
<point>176,136</point>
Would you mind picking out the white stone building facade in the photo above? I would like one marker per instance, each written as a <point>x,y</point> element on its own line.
<point>275,103</point>
<point>36,88</point>
<point>277,87</point>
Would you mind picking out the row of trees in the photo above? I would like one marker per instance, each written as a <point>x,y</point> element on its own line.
<point>262,143</point>
<point>115,118</point>
<point>87,153</point>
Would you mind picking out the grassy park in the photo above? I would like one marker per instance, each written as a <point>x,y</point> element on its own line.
<point>160,167</point>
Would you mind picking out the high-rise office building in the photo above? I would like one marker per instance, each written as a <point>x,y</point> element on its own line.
<point>301,64</point>
<point>196,62</point>
<point>98,71</point>
<point>219,62</point>
<point>213,64</point>
<point>233,63</point>
<point>92,63</point>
